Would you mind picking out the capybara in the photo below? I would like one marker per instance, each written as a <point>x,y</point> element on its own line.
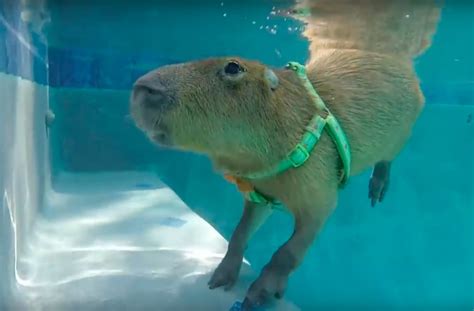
<point>247,117</point>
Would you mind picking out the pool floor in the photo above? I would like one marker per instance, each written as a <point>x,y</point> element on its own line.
<point>122,241</point>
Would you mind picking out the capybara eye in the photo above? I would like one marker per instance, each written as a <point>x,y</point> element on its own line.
<point>233,68</point>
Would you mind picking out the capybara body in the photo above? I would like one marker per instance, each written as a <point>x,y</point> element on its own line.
<point>246,117</point>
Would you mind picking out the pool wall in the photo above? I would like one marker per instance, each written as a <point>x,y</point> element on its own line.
<point>24,163</point>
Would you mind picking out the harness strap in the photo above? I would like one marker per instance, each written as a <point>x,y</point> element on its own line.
<point>302,151</point>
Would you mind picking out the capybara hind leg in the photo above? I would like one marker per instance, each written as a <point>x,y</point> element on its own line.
<point>273,278</point>
<point>379,182</point>
<point>227,272</point>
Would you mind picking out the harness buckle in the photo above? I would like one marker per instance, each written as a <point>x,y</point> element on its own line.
<point>298,156</point>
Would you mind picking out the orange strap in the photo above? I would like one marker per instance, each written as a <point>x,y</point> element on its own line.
<point>244,186</point>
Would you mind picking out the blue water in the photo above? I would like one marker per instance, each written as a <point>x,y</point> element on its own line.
<point>415,251</point>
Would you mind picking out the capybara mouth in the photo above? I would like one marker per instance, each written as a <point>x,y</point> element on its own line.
<point>151,122</point>
<point>162,138</point>
<point>155,128</point>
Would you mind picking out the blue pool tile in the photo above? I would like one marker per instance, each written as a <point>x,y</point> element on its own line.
<point>22,53</point>
<point>144,186</point>
<point>172,222</point>
<point>98,69</point>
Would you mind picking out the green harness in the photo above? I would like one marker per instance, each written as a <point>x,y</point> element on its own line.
<point>302,151</point>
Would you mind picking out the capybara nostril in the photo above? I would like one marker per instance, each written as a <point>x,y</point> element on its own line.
<point>148,95</point>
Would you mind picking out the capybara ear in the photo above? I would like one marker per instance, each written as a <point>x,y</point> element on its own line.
<point>271,78</point>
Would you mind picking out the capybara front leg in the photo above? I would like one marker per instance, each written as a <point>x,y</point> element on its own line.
<point>274,276</point>
<point>379,182</point>
<point>227,271</point>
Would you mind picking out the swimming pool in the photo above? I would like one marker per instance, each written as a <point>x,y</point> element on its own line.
<point>94,216</point>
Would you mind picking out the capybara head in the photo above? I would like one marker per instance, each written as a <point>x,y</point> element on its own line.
<point>222,106</point>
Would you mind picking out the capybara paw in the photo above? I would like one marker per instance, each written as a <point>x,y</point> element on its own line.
<point>269,285</point>
<point>378,187</point>
<point>226,273</point>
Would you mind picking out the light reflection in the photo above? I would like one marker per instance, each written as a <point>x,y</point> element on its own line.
<point>96,236</point>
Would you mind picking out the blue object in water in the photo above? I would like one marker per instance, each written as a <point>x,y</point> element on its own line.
<point>237,306</point>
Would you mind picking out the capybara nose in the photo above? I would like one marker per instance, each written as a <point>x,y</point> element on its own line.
<point>149,94</point>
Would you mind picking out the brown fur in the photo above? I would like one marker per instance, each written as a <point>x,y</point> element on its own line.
<point>362,67</point>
